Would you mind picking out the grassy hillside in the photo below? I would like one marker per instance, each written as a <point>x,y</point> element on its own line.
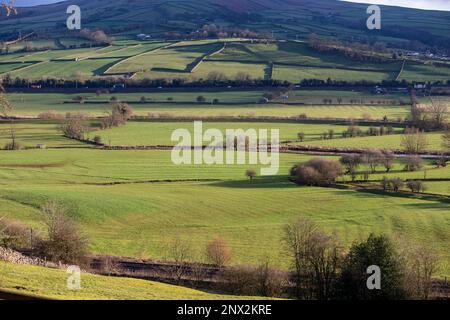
<point>52,283</point>
<point>327,17</point>
<point>139,219</point>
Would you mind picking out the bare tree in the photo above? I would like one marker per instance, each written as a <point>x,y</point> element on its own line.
<point>438,111</point>
<point>388,160</point>
<point>179,252</point>
<point>315,258</point>
<point>351,162</point>
<point>9,8</point>
<point>446,140</point>
<point>414,141</point>
<point>6,108</point>
<point>421,263</point>
<point>218,251</point>
<point>373,158</point>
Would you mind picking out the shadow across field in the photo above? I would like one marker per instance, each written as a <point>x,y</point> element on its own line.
<point>269,182</point>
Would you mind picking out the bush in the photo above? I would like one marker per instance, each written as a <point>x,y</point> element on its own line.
<point>97,140</point>
<point>218,252</point>
<point>50,115</point>
<point>74,129</point>
<point>65,243</point>
<point>416,186</point>
<point>14,146</point>
<point>201,99</point>
<point>14,235</point>
<point>413,163</point>
<point>317,172</point>
<point>250,173</point>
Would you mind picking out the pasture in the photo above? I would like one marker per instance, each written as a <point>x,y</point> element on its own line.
<point>378,142</point>
<point>52,283</point>
<point>139,216</point>
<point>159,133</point>
<point>291,61</point>
<point>231,102</point>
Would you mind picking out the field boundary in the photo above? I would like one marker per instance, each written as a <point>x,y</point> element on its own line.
<point>107,71</point>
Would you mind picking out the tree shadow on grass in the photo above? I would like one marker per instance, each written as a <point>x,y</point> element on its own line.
<point>269,182</point>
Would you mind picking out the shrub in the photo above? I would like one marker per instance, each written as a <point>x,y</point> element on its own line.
<point>97,140</point>
<point>250,173</point>
<point>416,186</point>
<point>64,243</point>
<point>413,163</point>
<point>50,115</point>
<point>317,171</point>
<point>74,129</point>
<point>218,252</point>
<point>14,235</point>
<point>201,99</point>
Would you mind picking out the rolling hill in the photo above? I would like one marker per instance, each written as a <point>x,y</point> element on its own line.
<point>285,19</point>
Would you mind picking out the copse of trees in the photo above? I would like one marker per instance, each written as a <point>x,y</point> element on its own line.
<point>316,172</point>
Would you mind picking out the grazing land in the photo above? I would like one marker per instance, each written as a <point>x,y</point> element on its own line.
<point>87,117</point>
<point>52,284</point>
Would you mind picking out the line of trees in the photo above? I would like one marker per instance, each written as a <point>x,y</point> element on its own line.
<point>213,80</point>
<point>324,270</point>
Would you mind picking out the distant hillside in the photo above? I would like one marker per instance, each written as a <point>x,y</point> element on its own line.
<point>282,18</point>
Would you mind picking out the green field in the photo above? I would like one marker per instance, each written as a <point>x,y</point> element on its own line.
<point>380,142</point>
<point>159,133</point>
<point>138,219</point>
<point>231,103</point>
<point>296,74</point>
<point>52,283</point>
<point>415,72</point>
<point>291,61</point>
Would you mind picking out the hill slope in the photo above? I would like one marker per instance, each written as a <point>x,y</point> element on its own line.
<point>285,18</point>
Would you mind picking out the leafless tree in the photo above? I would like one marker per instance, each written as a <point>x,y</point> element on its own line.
<point>179,252</point>
<point>315,258</point>
<point>438,112</point>
<point>421,263</point>
<point>373,158</point>
<point>446,140</point>
<point>9,8</point>
<point>414,141</point>
<point>218,252</point>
